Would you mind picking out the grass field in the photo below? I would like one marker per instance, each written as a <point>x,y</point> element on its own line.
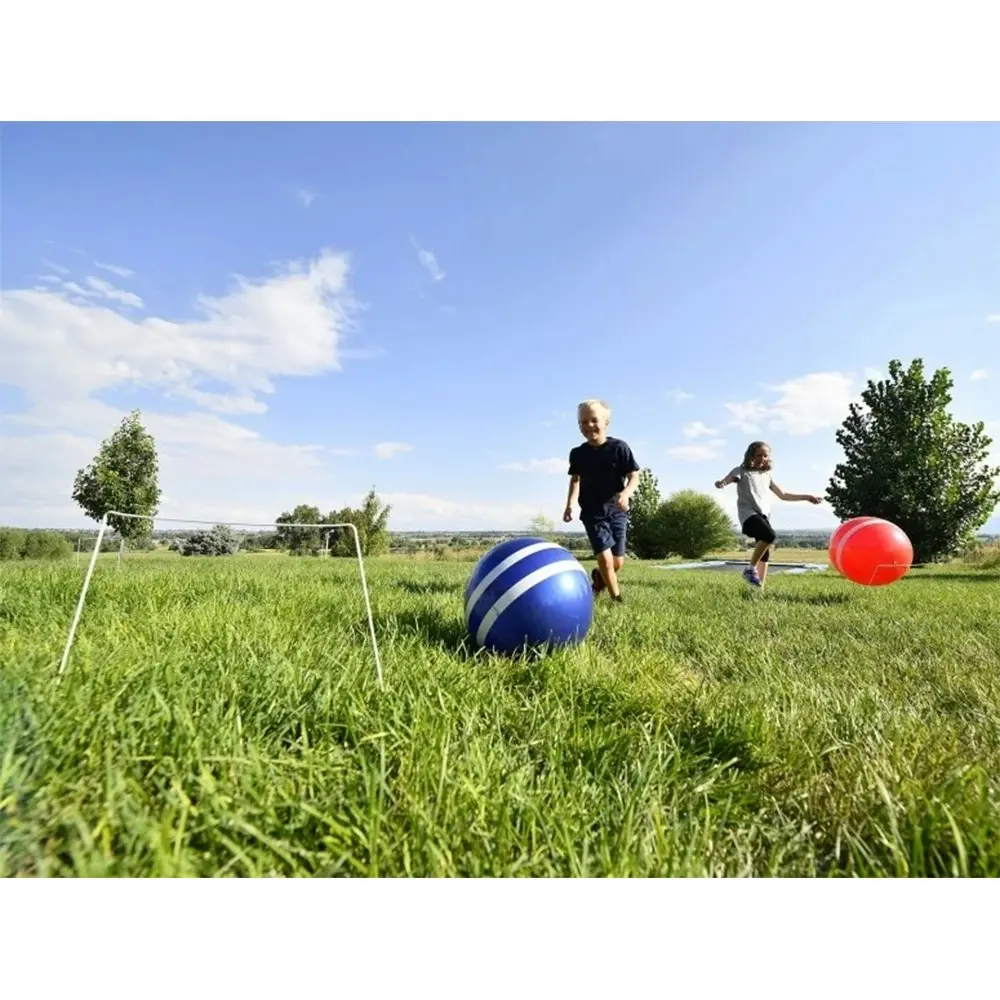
<point>221,717</point>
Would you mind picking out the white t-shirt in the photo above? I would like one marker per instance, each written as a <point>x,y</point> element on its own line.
<point>753,492</point>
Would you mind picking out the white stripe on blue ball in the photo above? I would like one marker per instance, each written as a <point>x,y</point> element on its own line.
<point>490,597</point>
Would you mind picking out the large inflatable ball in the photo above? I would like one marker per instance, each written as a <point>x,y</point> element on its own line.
<point>870,551</point>
<point>528,593</point>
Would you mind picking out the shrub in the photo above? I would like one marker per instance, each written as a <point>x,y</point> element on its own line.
<point>220,541</point>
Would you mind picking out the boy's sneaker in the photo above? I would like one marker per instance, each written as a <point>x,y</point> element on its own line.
<point>751,576</point>
<point>596,581</point>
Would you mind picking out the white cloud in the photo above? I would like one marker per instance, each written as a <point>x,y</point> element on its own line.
<point>58,268</point>
<point>429,261</point>
<point>305,197</point>
<point>698,452</point>
<point>993,318</point>
<point>389,449</point>
<point>290,324</point>
<point>804,405</point>
<point>874,374</point>
<point>61,349</point>
<point>552,466</point>
<point>341,451</point>
<point>679,395</point>
<point>117,269</point>
<point>696,429</point>
<point>979,375</point>
<point>420,511</point>
<point>104,289</point>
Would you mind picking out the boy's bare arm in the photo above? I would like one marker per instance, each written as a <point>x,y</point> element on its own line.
<point>574,492</point>
<point>630,485</point>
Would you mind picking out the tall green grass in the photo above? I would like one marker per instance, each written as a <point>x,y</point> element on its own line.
<point>221,717</point>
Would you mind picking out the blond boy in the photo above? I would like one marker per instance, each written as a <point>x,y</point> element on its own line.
<point>603,476</point>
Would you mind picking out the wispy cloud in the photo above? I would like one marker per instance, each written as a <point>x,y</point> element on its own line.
<point>121,272</point>
<point>58,268</point>
<point>551,466</point>
<point>428,260</point>
<point>696,429</point>
<point>341,451</point>
<point>106,290</point>
<point>979,375</point>
<point>305,197</point>
<point>804,405</point>
<point>679,395</point>
<point>389,449</point>
<point>698,452</point>
<point>993,318</point>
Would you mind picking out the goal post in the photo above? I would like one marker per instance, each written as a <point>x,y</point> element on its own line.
<point>236,524</point>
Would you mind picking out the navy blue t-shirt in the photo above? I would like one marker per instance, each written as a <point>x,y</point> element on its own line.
<point>603,470</point>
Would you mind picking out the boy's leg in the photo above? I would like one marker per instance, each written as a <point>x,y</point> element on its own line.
<point>619,530</point>
<point>598,542</point>
<point>602,541</point>
<point>606,564</point>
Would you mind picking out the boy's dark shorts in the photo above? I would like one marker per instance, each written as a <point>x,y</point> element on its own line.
<point>607,530</point>
<point>758,527</point>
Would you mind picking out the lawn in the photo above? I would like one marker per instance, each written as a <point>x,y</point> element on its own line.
<point>221,717</point>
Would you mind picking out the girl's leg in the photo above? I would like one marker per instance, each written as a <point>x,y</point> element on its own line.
<point>765,561</point>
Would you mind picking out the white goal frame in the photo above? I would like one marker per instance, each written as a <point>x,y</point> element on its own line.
<point>236,524</point>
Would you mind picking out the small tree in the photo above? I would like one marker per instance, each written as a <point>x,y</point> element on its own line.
<point>122,477</point>
<point>690,524</point>
<point>300,541</point>
<point>645,502</point>
<point>541,526</point>
<point>220,541</point>
<point>908,461</point>
<point>372,523</point>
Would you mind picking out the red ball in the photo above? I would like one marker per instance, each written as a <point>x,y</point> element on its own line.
<point>871,551</point>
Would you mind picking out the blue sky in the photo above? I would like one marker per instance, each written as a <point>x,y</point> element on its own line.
<point>303,311</point>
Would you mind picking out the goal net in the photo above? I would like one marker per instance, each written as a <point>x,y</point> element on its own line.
<point>328,528</point>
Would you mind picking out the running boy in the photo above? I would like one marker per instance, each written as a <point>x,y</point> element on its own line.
<point>603,475</point>
<point>753,505</point>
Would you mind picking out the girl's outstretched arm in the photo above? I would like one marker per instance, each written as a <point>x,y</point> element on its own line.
<point>725,481</point>
<point>792,497</point>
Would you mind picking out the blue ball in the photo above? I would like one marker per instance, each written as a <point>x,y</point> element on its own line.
<point>527,592</point>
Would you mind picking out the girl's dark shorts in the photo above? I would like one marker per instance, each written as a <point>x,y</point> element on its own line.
<point>758,527</point>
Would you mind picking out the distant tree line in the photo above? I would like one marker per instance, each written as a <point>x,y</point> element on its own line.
<point>905,459</point>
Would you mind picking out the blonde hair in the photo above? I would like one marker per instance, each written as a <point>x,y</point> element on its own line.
<point>593,404</point>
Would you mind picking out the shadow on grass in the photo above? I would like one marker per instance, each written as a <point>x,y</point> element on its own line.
<point>818,600</point>
<point>971,576</point>
<point>429,587</point>
<point>436,628</point>
<point>721,742</point>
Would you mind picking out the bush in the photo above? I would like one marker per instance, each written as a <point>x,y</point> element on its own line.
<point>689,524</point>
<point>220,541</point>
<point>16,543</point>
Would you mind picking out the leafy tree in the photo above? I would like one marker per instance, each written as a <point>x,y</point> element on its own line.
<point>12,543</point>
<point>220,541</point>
<point>16,543</point>
<point>300,541</point>
<point>541,526</point>
<point>46,545</point>
<point>907,460</point>
<point>123,477</point>
<point>644,504</point>
<point>690,524</point>
<point>372,522</point>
